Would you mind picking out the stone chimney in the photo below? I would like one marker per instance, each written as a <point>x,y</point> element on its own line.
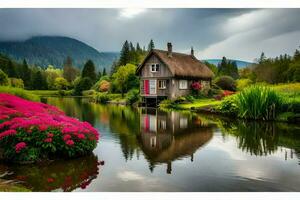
<point>192,51</point>
<point>169,49</point>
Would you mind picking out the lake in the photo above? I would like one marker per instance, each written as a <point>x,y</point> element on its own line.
<point>152,150</point>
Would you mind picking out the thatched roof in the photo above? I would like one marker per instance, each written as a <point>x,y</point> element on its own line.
<point>181,65</point>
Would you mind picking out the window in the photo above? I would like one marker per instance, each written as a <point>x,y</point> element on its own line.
<point>154,67</point>
<point>183,84</point>
<point>162,84</point>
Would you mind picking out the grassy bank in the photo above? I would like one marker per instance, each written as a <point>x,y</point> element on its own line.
<point>25,94</point>
<point>259,102</point>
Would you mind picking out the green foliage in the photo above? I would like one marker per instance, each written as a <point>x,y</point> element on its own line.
<point>16,82</point>
<point>61,83</point>
<point>3,78</point>
<point>102,98</point>
<point>151,45</point>
<point>89,71</point>
<point>83,84</point>
<point>258,102</point>
<point>125,79</point>
<point>243,83</point>
<point>212,67</point>
<point>69,72</point>
<point>228,68</point>
<point>226,83</point>
<point>20,93</point>
<point>228,106</point>
<point>51,74</point>
<point>39,81</point>
<point>132,96</point>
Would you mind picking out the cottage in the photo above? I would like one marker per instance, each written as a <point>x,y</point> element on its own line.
<point>168,74</point>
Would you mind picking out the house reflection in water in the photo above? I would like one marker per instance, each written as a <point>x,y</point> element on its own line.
<point>166,137</point>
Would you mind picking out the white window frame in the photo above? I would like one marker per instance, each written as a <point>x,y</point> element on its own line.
<point>156,67</point>
<point>162,84</point>
<point>183,84</point>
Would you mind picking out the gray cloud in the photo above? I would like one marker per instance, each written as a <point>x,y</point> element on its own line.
<point>235,33</point>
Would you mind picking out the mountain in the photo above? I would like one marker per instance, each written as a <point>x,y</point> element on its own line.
<point>53,50</point>
<point>240,63</point>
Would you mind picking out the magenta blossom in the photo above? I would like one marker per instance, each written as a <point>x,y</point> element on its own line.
<point>70,142</point>
<point>20,146</point>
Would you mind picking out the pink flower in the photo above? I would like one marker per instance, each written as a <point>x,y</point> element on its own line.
<point>196,86</point>
<point>20,146</point>
<point>70,142</point>
<point>50,135</point>
<point>7,133</point>
<point>49,140</point>
<point>67,137</point>
<point>50,180</point>
<point>81,136</point>
<point>43,127</point>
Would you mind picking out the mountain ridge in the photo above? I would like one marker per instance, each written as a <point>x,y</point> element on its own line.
<point>53,50</point>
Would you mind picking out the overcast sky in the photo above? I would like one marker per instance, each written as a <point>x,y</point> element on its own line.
<point>234,33</point>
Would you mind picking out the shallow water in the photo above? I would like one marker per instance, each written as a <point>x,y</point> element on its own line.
<point>152,150</point>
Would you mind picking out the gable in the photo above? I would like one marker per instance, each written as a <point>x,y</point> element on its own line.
<point>145,69</point>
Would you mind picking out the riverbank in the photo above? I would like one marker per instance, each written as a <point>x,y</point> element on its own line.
<point>287,111</point>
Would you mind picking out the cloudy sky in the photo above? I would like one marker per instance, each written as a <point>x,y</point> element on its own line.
<point>234,33</point>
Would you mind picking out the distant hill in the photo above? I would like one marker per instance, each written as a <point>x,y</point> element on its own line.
<point>240,63</point>
<point>46,50</point>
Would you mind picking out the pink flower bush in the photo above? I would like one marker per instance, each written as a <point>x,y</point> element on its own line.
<point>40,123</point>
<point>20,146</point>
<point>196,86</point>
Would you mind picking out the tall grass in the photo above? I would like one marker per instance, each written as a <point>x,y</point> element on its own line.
<point>258,102</point>
<point>25,94</point>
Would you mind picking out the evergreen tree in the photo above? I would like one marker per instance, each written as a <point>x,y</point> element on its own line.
<point>104,72</point>
<point>262,58</point>
<point>39,81</point>
<point>25,74</point>
<point>138,48</point>
<point>89,71</point>
<point>11,71</point>
<point>151,45</point>
<point>124,55</point>
<point>69,72</point>
<point>99,75</point>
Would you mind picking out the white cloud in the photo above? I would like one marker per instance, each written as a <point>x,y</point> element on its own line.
<point>130,176</point>
<point>131,12</point>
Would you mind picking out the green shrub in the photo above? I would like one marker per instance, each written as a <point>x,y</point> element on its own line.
<point>190,98</point>
<point>3,78</point>
<point>83,84</point>
<point>88,92</point>
<point>25,94</point>
<point>132,96</point>
<point>228,106</point>
<point>102,98</point>
<point>16,82</point>
<point>226,83</point>
<point>243,83</point>
<point>259,102</point>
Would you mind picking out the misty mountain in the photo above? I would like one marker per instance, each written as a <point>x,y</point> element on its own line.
<point>240,63</point>
<point>53,50</point>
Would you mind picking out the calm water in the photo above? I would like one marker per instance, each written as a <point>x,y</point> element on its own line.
<point>152,150</point>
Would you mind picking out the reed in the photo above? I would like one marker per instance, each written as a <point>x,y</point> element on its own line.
<point>258,102</point>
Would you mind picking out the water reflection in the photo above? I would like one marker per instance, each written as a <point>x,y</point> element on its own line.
<point>61,175</point>
<point>165,137</point>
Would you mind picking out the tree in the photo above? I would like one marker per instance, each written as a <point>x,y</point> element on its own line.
<point>138,48</point>
<point>83,84</point>
<point>125,78</point>
<point>69,72</point>
<point>104,72</point>
<point>151,45</point>
<point>3,78</point>
<point>39,81</point>
<point>61,83</point>
<point>228,68</point>
<point>11,71</point>
<point>212,67</point>
<point>124,55</point>
<point>262,58</point>
<point>25,74</point>
<point>89,71</point>
<point>51,74</point>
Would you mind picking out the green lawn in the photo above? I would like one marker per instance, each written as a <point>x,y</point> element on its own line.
<point>198,103</point>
